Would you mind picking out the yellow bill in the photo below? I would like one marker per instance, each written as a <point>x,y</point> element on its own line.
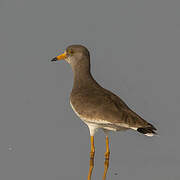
<point>61,56</point>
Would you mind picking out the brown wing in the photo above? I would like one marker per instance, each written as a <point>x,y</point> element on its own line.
<point>102,105</point>
<point>126,115</point>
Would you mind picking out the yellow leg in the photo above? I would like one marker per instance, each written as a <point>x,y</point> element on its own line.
<point>91,164</point>
<point>106,162</point>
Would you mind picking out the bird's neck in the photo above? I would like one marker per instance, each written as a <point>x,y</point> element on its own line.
<point>82,76</point>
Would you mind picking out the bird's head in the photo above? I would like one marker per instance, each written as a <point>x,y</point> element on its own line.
<point>74,54</point>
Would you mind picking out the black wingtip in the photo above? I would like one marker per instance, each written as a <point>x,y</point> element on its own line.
<point>147,130</point>
<point>54,59</point>
<point>152,126</point>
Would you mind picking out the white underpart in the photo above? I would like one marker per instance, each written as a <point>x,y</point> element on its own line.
<point>149,134</point>
<point>92,128</point>
<point>134,128</point>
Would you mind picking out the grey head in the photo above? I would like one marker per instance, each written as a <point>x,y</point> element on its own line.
<point>74,54</point>
<point>79,59</point>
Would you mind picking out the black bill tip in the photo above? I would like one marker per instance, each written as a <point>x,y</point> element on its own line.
<point>54,59</point>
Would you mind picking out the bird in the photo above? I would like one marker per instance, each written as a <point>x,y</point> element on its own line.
<point>96,106</point>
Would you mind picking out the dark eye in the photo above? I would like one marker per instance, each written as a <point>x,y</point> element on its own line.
<point>71,51</point>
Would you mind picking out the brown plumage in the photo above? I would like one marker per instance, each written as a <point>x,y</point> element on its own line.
<point>96,106</point>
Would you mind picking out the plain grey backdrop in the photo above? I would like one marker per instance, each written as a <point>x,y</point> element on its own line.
<point>135,52</point>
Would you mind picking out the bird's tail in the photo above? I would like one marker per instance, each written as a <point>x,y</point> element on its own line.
<point>148,131</point>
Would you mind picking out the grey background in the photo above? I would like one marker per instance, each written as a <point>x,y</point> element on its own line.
<point>135,51</point>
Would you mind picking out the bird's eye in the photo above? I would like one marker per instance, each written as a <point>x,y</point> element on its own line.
<point>71,51</point>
